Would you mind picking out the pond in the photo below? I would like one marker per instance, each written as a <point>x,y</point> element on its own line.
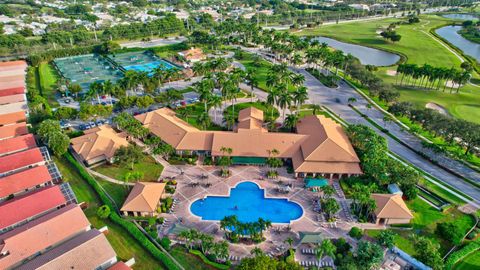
<point>366,55</point>
<point>247,201</point>
<point>460,16</point>
<point>450,33</point>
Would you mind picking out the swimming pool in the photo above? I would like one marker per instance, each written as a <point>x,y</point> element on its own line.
<point>247,201</point>
<point>150,66</point>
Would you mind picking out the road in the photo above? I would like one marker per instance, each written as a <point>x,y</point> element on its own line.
<point>337,101</point>
<point>153,43</point>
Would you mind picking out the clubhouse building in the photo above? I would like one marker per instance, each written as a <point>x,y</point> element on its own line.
<point>319,148</point>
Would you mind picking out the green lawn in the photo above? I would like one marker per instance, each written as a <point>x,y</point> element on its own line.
<point>124,245</point>
<point>419,48</point>
<point>424,223</point>
<point>118,192</point>
<point>188,260</point>
<point>260,69</point>
<point>193,113</point>
<point>472,261</point>
<point>48,82</point>
<point>148,166</point>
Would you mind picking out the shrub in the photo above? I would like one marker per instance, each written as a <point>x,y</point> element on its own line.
<point>460,254</point>
<point>207,261</point>
<point>165,243</point>
<point>450,231</point>
<point>355,232</point>
<point>103,211</point>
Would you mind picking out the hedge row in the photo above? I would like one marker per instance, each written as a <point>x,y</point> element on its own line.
<point>207,261</point>
<point>114,217</point>
<point>458,255</point>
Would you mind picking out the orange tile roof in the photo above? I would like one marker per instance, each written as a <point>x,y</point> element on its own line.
<point>144,197</point>
<point>13,130</point>
<point>12,91</point>
<point>89,250</point>
<point>12,118</point>
<point>11,84</point>
<point>23,180</point>
<point>193,54</point>
<point>12,99</point>
<point>120,266</point>
<point>320,145</point>
<point>97,142</point>
<point>17,63</point>
<point>33,204</point>
<point>40,234</point>
<point>16,144</point>
<point>21,159</point>
<point>391,206</point>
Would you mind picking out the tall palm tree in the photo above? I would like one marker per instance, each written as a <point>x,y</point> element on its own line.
<point>299,96</point>
<point>326,248</point>
<point>291,121</point>
<point>284,101</point>
<point>215,102</point>
<point>253,81</point>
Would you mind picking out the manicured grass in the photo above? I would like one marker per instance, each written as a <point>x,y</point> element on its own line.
<point>148,166</point>
<point>48,82</point>
<point>124,245</point>
<point>259,67</point>
<point>194,112</point>
<point>419,48</point>
<point>118,192</point>
<point>472,261</point>
<point>188,260</point>
<point>268,110</point>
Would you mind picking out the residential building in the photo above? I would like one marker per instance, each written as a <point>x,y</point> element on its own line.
<point>24,181</point>
<point>193,55</point>
<point>22,160</point>
<point>391,209</point>
<point>12,99</point>
<point>19,90</point>
<point>40,235</point>
<point>98,144</point>
<point>319,148</point>
<point>89,250</point>
<point>14,107</point>
<point>13,130</point>
<point>20,210</point>
<point>144,199</point>
<point>17,144</point>
<point>12,118</point>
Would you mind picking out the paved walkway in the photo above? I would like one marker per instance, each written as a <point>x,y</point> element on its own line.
<point>109,179</point>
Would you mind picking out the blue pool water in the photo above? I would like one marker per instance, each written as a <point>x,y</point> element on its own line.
<point>150,66</point>
<point>247,201</point>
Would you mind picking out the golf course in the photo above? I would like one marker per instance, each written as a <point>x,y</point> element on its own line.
<point>417,46</point>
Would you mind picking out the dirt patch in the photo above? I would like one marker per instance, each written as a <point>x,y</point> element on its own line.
<point>436,107</point>
<point>391,72</point>
<point>450,84</point>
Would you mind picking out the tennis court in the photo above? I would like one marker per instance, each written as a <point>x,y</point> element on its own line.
<point>141,61</point>
<point>86,69</point>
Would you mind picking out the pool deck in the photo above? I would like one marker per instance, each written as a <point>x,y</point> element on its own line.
<point>274,244</point>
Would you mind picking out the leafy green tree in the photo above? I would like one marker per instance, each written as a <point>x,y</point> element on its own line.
<point>386,238</point>
<point>368,255</point>
<point>128,155</point>
<point>330,206</point>
<point>355,232</point>
<point>428,252</point>
<point>450,231</point>
<point>103,212</point>
<point>326,248</point>
<point>53,136</point>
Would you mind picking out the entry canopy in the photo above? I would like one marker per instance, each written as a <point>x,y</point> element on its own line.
<point>311,238</point>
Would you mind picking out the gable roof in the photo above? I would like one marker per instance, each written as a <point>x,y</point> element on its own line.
<point>32,204</point>
<point>99,141</point>
<point>144,197</point>
<point>391,206</point>
<point>40,234</point>
<point>12,99</point>
<point>88,250</point>
<point>320,145</point>
<point>13,130</point>
<point>12,118</point>
<point>17,144</point>
<point>12,91</point>
<point>20,159</point>
<point>23,180</point>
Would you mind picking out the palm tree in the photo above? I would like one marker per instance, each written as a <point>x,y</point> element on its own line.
<point>205,88</point>
<point>326,248</point>
<point>204,120</point>
<point>289,241</point>
<point>284,101</point>
<point>256,251</point>
<point>253,81</point>
<point>300,95</point>
<point>315,108</point>
<point>215,102</point>
<point>291,121</point>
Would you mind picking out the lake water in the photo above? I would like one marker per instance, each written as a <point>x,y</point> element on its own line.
<point>451,34</point>
<point>366,55</point>
<point>463,17</point>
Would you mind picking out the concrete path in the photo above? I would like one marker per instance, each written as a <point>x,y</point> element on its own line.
<point>108,179</point>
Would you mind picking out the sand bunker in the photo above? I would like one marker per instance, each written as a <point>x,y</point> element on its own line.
<point>436,107</point>
<point>391,72</point>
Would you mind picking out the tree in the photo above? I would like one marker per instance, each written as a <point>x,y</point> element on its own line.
<point>103,212</point>
<point>53,136</point>
<point>264,262</point>
<point>428,252</point>
<point>450,231</point>
<point>355,232</point>
<point>386,238</point>
<point>368,255</point>
<point>328,191</point>
<point>128,155</point>
<point>206,242</point>
<point>326,248</point>
<point>330,206</point>
<point>133,176</point>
